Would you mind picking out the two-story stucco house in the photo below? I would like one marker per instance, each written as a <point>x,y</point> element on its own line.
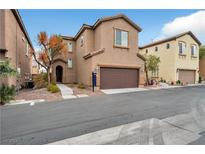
<point>109,48</point>
<point>179,56</point>
<point>15,45</point>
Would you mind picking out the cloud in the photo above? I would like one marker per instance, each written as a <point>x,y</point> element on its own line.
<point>194,22</point>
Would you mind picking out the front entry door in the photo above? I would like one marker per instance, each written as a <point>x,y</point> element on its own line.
<point>59,73</point>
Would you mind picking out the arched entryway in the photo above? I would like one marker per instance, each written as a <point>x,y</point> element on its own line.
<point>59,73</point>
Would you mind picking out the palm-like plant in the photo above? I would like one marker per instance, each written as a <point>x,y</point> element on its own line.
<point>6,70</point>
<point>7,93</point>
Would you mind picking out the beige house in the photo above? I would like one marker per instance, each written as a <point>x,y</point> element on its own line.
<point>15,45</point>
<point>179,56</point>
<point>109,48</point>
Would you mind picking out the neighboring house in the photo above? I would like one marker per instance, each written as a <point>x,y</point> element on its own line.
<point>179,56</point>
<point>15,45</point>
<point>109,48</point>
<point>36,68</point>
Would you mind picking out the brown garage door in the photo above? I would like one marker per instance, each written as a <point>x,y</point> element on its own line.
<point>118,78</point>
<point>187,76</point>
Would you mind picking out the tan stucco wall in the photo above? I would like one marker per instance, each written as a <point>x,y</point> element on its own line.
<point>102,37</point>
<point>69,74</point>
<point>202,68</point>
<point>84,66</point>
<point>167,60</point>
<point>170,59</point>
<point>16,47</point>
<point>188,62</point>
<point>2,29</point>
<point>115,56</point>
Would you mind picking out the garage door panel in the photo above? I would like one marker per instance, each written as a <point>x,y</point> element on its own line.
<point>118,78</point>
<point>187,76</point>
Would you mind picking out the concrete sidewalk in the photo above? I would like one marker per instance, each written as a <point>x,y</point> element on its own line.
<point>129,90</point>
<point>122,90</point>
<point>66,92</point>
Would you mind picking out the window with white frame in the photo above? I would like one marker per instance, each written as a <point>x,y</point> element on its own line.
<point>121,38</point>
<point>70,63</point>
<point>70,47</point>
<point>182,47</point>
<point>193,50</point>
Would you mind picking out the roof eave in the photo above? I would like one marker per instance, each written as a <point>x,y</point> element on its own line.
<point>21,24</point>
<point>172,38</point>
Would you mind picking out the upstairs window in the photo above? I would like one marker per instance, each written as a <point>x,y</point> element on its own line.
<point>156,48</point>
<point>146,51</point>
<point>182,47</point>
<point>168,45</point>
<point>193,50</point>
<point>121,38</point>
<point>70,47</point>
<point>70,63</point>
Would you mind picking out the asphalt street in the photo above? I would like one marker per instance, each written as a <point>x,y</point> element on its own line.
<point>48,122</point>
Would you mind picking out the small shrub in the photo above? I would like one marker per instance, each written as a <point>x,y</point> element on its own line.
<point>52,82</point>
<point>162,80</point>
<point>178,82</point>
<point>7,93</point>
<point>53,88</point>
<point>81,86</point>
<point>200,79</point>
<point>40,80</point>
<point>49,87</point>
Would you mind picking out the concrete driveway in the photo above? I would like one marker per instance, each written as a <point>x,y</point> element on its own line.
<point>48,122</point>
<point>122,90</point>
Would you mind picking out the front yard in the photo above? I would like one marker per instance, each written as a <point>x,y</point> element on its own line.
<point>44,94</point>
<point>32,94</point>
<point>86,90</point>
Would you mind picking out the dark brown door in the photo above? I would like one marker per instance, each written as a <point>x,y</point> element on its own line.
<point>59,73</point>
<point>187,76</point>
<point>111,78</point>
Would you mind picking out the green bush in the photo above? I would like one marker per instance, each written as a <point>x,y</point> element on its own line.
<point>178,82</point>
<point>200,79</point>
<point>53,88</point>
<point>52,82</point>
<point>81,86</point>
<point>7,93</point>
<point>162,80</point>
<point>40,80</point>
